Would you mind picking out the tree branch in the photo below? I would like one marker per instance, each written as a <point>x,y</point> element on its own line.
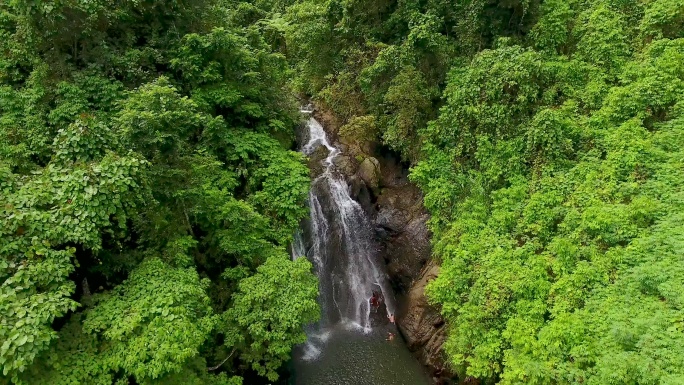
<point>222,362</point>
<point>187,220</point>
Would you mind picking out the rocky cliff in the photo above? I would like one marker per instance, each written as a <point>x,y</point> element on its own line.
<point>380,183</point>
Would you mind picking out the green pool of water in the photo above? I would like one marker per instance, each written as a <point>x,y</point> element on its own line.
<point>350,357</point>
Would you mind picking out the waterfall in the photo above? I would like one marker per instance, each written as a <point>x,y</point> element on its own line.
<point>338,241</point>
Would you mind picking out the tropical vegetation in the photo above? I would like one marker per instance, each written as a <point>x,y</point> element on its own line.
<point>148,190</point>
<point>147,196</point>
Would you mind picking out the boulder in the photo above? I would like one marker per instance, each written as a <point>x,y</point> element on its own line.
<point>369,172</point>
<point>315,161</point>
<point>345,164</point>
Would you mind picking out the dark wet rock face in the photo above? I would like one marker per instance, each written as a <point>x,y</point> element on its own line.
<point>401,223</point>
<point>401,227</point>
<point>423,326</point>
<point>361,193</point>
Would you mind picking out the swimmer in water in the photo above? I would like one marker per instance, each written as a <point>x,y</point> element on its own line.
<point>390,336</point>
<point>391,318</point>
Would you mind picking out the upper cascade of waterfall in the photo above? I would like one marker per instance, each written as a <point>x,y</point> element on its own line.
<point>318,137</point>
<point>308,109</point>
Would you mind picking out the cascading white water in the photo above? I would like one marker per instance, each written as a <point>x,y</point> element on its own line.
<point>341,247</point>
<point>348,346</point>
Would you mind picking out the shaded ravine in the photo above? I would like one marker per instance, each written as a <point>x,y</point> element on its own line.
<point>348,345</point>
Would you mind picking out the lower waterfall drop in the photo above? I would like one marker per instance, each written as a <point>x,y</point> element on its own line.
<point>342,248</point>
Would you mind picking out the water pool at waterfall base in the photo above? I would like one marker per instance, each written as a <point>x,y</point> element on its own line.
<point>350,357</point>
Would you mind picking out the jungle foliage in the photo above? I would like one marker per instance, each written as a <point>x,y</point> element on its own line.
<point>147,196</point>
<point>548,139</point>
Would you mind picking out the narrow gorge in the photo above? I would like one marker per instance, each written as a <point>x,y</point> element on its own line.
<point>366,236</point>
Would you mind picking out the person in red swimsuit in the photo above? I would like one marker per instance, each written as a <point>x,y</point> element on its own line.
<point>374,301</point>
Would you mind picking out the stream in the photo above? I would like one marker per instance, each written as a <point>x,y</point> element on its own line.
<point>349,345</point>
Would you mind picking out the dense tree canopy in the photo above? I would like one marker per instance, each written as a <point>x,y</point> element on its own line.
<point>147,194</point>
